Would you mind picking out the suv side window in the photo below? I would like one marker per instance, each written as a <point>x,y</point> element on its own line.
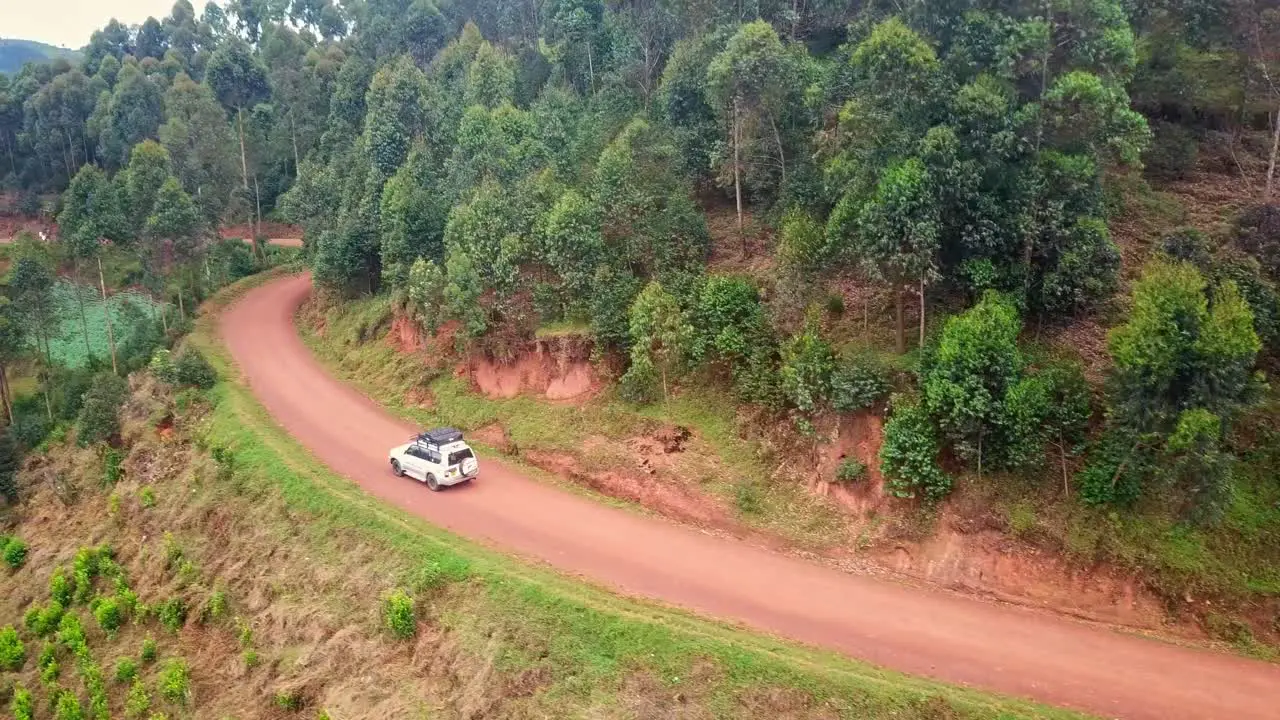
<point>433,457</point>
<point>415,452</point>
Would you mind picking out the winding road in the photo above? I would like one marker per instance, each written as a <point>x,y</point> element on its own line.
<point>936,634</point>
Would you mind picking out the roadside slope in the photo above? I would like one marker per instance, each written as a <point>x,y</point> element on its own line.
<point>927,633</point>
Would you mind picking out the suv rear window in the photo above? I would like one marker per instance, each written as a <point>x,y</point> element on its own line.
<point>459,456</point>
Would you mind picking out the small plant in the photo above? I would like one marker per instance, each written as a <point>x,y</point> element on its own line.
<point>126,670</point>
<point>13,654</point>
<point>147,497</point>
<point>250,658</point>
<point>148,653</point>
<point>850,471</point>
<point>246,633</point>
<point>15,553</point>
<point>68,707</point>
<point>289,701</point>
<point>174,682</point>
<point>216,607</point>
<point>173,614</point>
<point>71,635</point>
<point>24,706</point>
<point>44,621</point>
<point>1022,519</point>
<point>747,497</point>
<point>113,505</point>
<point>398,616</point>
<point>60,589</point>
<point>48,664</point>
<point>138,701</point>
<point>112,467</point>
<point>190,368</point>
<point>109,615</point>
<point>172,551</point>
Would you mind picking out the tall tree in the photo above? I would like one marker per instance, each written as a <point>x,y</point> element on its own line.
<point>175,226</point>
<point>239,81</point>
<point>200,145</point>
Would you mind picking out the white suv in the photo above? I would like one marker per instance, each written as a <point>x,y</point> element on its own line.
<point>437,457</point>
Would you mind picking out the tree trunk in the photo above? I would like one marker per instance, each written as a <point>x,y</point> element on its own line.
<point>4,393</point>
<point>106,313</point>
<point>1062,453</point>
<point>293,131</point>
<point>257,201</point>
<point>737,178</point>
<point>921,311</point>
<point>1275,149</point>
<point>782,156</point>
<point>84,321</point>
<point>902,328</point>
<point>591,67</point>
<point>979,452</point>
<point>164,320</point>
<point>182,312</point>
<point>244,163</point>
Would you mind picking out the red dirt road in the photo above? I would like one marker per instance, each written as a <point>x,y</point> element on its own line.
<point>948,637</point>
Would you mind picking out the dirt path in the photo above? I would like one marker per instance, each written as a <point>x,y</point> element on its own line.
<point>952,638</point>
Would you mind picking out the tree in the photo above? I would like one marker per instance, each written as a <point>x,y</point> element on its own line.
<point>894,233</point>
<point>91,214</point>
<point>99,417</point>
<point>909,454</point>
<point>149,166</point>
<point>134,114</point>
<point>31,291</point>
<point>152,40</point>
<point>412,218</point>
<point>748,83</point>
<point>10,463</point>
<point>969,373</point>
<point>239,81</point>
<point>14,345</point>
<point>395,114</point>
<point>571,242</point>
<point>173,229</point>
<point>200,145</point>
<point>660,338</point>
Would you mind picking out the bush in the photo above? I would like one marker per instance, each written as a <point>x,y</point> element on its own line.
<point>112,467</point>
<point>10,458</point>
<point>850,471</point>
<point>71,634</point>
<point>24,706</point>
<point>147,497</point>
<point>60,589</point>
<point>289,701</point>
<point>174,682</point>
<point>162,366</point>
<point>138,701</point>
<point>216,607</point>
<point>48,663</point>
<point>173,614</point>
<point>1258,234</point>
<point>190,368</point>
<point>109,615</point>
<point>13,654</point>
<point>99,417</point>
<point>1172,153</point>
<point>807,367</point>
<point>148,653</point>
<point>857,386</point>
<point>397,615</point>
<point>68,707</point>
<point>15,553</point>
<point>126,670</point>
<point>909,455</point>
<point>44,621</point>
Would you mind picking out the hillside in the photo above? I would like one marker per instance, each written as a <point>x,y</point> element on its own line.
<point>15,53</point>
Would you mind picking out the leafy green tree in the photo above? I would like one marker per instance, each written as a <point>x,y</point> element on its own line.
<point>808,365</point>
<point>173,231</point>
<point>426,284</point>
<point>134,114</point>
<point>91,214</point>
<point>909,454</point>
<point>571,241</point>
<point>10,462</point>
<point>99,418</point>
<point>462,292</point>
<point>239,81</point>
<point>969,373</point>
<point>31,291</point>
<point>149,166</point>
<point>660,340</point>
<point>491,78</point>
<point>395,113</point>
<point>412,218</point>
<point>200,145</point>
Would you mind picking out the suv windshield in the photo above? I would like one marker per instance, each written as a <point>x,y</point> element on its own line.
<point>459,456</point>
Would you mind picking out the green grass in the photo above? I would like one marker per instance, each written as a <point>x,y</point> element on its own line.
<point>591,639</point>
<point>68,344</point>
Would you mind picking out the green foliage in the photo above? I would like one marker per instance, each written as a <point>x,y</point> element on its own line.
<point>191,369</point>
<point>13,654</point>
<point>857,384</point>
<point>909,454</point>
<point>398,615</point>
<point>99,418</point>
<point>126,670</point>
<point>660,341</point>
<point>802,244</point>
<point>68,707</point>
<point>109,615</point>
<point>148,651</point>
<point>23,704</point>
<point>147,497</point>
<point>288,701</point>
<point>14,551</point>
<point>138,701</point>
<point>48,664</point>
<point>173,682</point>
<point>808,365</point>
<point>850,470</point>
<point>172,614</point>
<point>43,621</point>
<point>10,458</point>
<point>60,589</point>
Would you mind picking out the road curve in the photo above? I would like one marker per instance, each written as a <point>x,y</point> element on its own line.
<point>956,639</point>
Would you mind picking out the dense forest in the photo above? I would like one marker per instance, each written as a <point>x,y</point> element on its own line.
<point>501,167</point>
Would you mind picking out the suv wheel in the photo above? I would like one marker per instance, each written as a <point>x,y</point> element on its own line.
<point>395,468</point>
<point>432,484</point>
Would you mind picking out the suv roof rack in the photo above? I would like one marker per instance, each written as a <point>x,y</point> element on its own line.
<point>439,436</point>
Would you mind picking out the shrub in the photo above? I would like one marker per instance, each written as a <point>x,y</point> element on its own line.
<point>1172,152</point>
<point>15,553</point>
<point>191,368</point>
<point>60,589</point>
<point>148,653</point>
<point>126,670</point>
<point>850,471</point>
<point>173,614</point>
<point>43,621</point>
<point>99,417</point>
<point>48,663</point>
<point>68,707</point>
<point>174,682</point>
<point>909,455</point>
<point>13,655</point>
<point>747,498</point>
<point>10,457</point>
<point>216,607</point>
<point>138,701</point>
<point>289,701</point>
<point>112,467</point>
<point>1258,234</point>
<point>109,615</point>
<point>71,634</point>
<point>24,706</point>
<point>807,367</point>
<point>397,615</point>
<point>858,385</point>
<point>147,498</point>
<point>162,366</point>
<point>250,658</point>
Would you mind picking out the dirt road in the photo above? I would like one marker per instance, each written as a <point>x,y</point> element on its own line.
<point>935,634</point>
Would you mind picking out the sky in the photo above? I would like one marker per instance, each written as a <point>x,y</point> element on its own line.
<point>68,23</point>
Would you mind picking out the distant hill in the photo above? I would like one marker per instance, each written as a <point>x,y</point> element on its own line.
<point>15,53</point>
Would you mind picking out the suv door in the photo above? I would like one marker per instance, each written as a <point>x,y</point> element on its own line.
<point>416,463</point>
